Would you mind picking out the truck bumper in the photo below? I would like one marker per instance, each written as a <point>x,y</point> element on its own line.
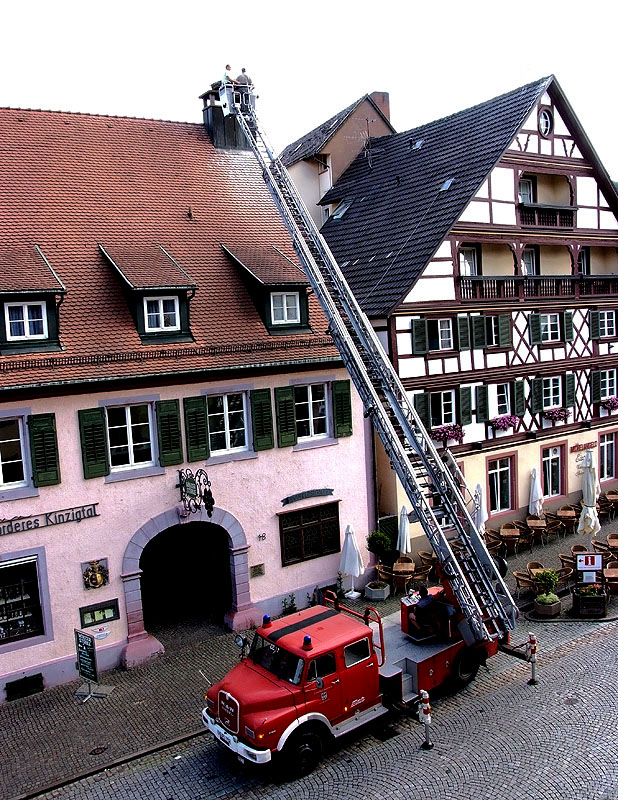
<point>233,743</point>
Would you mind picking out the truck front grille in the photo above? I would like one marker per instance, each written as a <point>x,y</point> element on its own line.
<point>228,711</point>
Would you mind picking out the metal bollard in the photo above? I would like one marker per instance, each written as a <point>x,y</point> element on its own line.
<point>531,651</point>
<point>425,718</point>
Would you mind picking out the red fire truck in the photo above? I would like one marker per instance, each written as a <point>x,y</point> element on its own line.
<point>313,676</point>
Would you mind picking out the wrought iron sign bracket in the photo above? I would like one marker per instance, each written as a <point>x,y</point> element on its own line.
<point>195,491</point>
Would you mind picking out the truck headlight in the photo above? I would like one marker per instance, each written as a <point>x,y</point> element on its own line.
<point>210,704</point>
<point>250,733</point>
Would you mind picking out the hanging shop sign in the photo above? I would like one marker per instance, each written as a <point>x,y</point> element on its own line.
<point>47,519</point>
<point>195,491</point>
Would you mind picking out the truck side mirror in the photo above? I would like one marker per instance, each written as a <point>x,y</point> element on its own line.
<point>319,683</point>
<point>242,642</point>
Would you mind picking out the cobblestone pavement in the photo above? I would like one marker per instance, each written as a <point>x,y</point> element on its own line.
<point>498,738</point>
<point>52,737</point>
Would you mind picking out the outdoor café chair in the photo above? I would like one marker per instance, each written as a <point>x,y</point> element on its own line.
<point>523,581</point>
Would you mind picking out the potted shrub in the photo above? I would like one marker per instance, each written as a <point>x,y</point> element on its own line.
<point>383,546</point>
<point>547,603</point>
<point>589,600</point>
<point>377,590</point>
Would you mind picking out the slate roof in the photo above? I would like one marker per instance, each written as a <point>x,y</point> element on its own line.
<point>312,142</point>
<point>399,216</point>
<point>71,181</point>
<point>268,265</point>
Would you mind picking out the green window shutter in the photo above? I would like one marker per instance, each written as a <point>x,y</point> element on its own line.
<point>420,342</point>
<point>518,398</point>
<point>168,430</point>
<point>568,390</point>
<point>534,324</point>
<point>567,326</point>
<point>93,436</point>
<point>479,336</point>
<point>593,321</point>
<point>342,408</point>
<point>44,449</point>
<point>196,428</point>
<point>505,335</point>
<point>536,395</point>
<point>421,404</point>
<point>463,333</point>
<point>482,404</point>
<point>286,416</point>
<point>262,419</point>
<point>465,405</point>
<point>595,384</point>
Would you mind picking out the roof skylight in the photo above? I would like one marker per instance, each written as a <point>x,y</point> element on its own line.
<point>341,209</point>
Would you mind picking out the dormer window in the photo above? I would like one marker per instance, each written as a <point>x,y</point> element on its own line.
<point>25,321</point>
<point>285,308</point>
<point>161,314</point>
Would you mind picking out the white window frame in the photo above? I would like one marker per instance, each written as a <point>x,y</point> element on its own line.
<point>552,392</point>
<point>502,465</point>
<point>287,320</point>
<point>492,331</point>
<point>546,122</point>
<point>327,412</point>
<point>532,268</point>
<point>607,456</point>
<point>447,404</point>
<point>24,308</point>
<point>607,324</point>
<point>159,300</point>
<point>550,327</point>
<point>468,262</point>
<point>504,402</point>
<point>583,262</point>
<point>552,456</point>
<point>607,383</point>
<point>529,192</point>
<point>444,334</point>
<point>133,464</point>
<point>226,424</point>
<point>23,460</point>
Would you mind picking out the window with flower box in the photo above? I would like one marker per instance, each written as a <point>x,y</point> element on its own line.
<point>603,385</point>
<point>309,533</point>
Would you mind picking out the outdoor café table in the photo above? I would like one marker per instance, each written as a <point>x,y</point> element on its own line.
<point>535,571</point>
<point>536,523</point>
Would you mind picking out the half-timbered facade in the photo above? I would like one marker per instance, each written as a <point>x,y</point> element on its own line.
<point>157,336</point>
<point>484,248</point>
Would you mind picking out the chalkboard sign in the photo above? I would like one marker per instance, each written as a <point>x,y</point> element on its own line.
<point>86,656</point>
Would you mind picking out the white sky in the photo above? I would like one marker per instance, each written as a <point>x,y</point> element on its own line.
<point>308,61</point>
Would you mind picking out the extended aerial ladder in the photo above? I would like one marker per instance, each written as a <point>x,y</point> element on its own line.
<point>432,481</point>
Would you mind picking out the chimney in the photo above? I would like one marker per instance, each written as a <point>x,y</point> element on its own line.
<point>224,131</point>
<point>382,101</point>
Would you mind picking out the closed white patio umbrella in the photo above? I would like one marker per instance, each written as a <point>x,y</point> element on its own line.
<point>351,560</point>
<point>535,503</point>
<point>403,539</point>
<point>480,515</point>
<point>589,519</point>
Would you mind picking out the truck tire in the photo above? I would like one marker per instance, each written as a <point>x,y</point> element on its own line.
<point>302,753</point>
<point>465,668</point>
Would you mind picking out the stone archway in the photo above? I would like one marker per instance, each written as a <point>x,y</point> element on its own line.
<point>141,646</point>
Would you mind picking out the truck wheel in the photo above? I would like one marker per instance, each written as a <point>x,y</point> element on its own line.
<point>303,753</point>
<point>465,667</point>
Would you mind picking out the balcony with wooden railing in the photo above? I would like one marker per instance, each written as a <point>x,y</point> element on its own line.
<point>531,287</point>
<point>541,215</point>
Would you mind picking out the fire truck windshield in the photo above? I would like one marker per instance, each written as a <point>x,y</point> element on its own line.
<point>275,659</point>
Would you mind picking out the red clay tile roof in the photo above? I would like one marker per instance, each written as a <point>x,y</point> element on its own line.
<point>24,268</point>
<point>70,181</point>
<point>146,267</point>
<point>268,265</point>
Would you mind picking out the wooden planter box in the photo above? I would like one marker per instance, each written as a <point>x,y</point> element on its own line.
<point>377,594</point>
<point>544,610</point>
<point>589,605</point>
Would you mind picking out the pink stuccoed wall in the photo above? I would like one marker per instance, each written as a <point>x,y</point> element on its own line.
<point>250,491</point>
